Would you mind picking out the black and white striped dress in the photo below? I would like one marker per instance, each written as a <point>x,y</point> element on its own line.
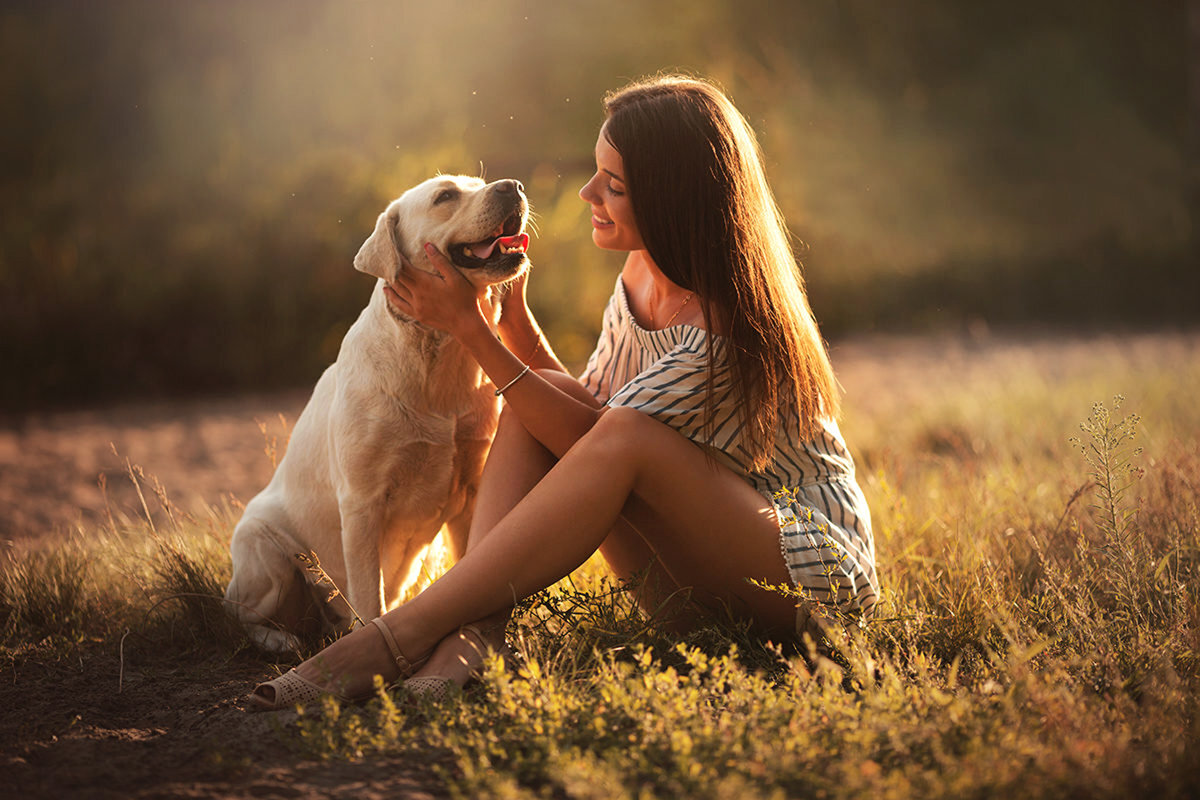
<point>824,522</point>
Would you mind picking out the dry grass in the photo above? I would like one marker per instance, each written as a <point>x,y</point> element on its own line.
<point>1040,635</point>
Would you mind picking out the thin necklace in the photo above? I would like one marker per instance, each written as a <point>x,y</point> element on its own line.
<point>654,325</point>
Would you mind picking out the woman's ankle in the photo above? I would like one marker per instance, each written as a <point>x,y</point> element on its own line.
<point>466,647</point>
<point>414,646</point>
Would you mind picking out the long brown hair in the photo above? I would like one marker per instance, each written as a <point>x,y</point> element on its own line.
<point>710,222</point>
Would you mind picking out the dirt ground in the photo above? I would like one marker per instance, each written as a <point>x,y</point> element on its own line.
<point>175,733</point>
<point>207,452</point>
<point>202,452</point>
<point>182,731</point>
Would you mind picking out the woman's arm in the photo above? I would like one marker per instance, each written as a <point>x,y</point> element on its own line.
<point>449,302</point>
<point>520,331</point>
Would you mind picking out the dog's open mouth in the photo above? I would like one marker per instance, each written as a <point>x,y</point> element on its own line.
<point>503,248</point>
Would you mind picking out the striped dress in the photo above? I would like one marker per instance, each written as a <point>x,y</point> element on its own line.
<point>824,523</point>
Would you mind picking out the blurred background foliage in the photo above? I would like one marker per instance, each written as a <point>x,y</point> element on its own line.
<point>183,185</point>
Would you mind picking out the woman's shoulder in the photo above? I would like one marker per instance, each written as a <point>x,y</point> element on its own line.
<point>683,342</point>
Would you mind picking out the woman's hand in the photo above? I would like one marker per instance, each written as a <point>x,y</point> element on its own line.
<point>514,307</point>
<point>443,299</point>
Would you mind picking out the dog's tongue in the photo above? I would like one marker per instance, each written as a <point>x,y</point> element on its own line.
<point>484,250</point>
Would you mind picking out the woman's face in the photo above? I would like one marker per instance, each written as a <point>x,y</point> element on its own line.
<point>613,226</point>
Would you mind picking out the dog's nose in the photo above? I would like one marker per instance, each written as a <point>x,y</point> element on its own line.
<point>509,186</point>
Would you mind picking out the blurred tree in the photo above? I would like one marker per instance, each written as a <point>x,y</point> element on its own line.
<point>1194,115</point>
<point>183,185</point>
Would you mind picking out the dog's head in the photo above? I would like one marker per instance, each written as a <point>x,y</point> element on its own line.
<point>479,226</point>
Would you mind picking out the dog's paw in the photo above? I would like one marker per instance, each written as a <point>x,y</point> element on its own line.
<point>273,640</point>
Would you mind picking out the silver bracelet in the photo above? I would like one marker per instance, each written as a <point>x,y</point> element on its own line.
<point>508,385</point>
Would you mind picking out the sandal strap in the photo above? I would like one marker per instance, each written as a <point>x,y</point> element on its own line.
<point>473,629</point>
<point>406,667</point>
<point>506,653</point>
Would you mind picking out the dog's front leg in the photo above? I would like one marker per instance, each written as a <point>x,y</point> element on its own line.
<point>362,526</point>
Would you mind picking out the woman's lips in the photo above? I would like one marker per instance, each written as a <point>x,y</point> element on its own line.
<point>597,222</point>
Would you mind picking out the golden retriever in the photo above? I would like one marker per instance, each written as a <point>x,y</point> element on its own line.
<point>390,447</point>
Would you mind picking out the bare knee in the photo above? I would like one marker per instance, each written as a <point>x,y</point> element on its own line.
<point>624,422</point>
<point>620,434</point>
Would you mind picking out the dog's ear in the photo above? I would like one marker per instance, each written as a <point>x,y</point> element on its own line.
<point>380,253</point>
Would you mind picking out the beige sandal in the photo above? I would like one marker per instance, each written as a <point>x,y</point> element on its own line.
<point>437,688</point>
<point>291,688</point>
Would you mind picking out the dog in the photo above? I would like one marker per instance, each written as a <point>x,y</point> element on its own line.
<point>390,446</point>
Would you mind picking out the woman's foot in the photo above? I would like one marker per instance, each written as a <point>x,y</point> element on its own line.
<point>345,669</point>
<point>457,660</point>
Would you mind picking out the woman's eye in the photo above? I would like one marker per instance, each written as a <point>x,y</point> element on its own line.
<point>613,191</point>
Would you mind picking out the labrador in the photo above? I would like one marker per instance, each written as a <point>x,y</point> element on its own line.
<point>390,447</point>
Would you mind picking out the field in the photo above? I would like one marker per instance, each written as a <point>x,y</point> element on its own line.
<point>1038,528</point>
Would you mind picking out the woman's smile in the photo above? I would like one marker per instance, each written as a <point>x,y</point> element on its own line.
<point>613,224</point>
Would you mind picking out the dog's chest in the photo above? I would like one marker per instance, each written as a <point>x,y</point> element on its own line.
<point>430,461</point>
<point>416,417</point>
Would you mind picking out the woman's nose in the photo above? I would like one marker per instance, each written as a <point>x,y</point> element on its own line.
<point>585,192</point>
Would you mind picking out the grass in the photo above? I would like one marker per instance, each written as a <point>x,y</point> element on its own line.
<point>1039,637</point>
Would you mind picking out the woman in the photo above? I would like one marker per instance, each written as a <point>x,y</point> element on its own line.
<point>697,451</point>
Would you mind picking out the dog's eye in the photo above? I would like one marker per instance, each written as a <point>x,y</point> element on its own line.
<point>445,196</point>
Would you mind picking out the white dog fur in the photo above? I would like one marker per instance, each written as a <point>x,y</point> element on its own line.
<point>390,446</point>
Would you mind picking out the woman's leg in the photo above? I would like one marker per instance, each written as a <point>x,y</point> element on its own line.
<point>710,529</point>
<point>515,464</point>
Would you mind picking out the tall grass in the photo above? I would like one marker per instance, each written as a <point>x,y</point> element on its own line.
<point>164,586</point>
<point>1039,638</point>
<point>1039,634</point>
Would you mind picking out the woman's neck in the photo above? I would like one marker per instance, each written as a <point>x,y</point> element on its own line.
<point>655,299</point>
<point>641,271</point>
<point>644,281</point>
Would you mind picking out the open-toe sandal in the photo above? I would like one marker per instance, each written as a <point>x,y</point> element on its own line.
<point>291,688</point>
<point>437,688</point>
